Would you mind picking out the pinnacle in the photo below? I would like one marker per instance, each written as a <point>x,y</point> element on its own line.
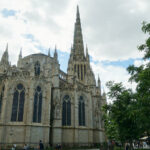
<point>49,54</point>
<point>6,47</point>
<point>98,78</point>
<point>20,55</point>
<point>78,14</point>
<point>55,53</point>
<point>86,50</point>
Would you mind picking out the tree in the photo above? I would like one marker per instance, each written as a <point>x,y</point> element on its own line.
<point>109,124</point>
<point>122,113</point>
<point>141,75</point>
<point>129,114</point>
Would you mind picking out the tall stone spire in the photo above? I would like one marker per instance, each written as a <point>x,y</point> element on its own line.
<point>78,64</point>
<point>78,40</point>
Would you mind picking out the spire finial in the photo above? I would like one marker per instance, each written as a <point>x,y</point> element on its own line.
<point>86,49</point>
<point>6,47</point>
<point>20,55</point>
<point>78,13</point>
<point>55,47</point>
<point>55,53</point>
<point>98,78</point>
<point>49,54</point>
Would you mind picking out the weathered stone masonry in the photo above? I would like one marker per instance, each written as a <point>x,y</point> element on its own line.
<point>38,101</point>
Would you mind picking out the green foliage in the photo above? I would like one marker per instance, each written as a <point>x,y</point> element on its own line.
<point>146,47</point>
<point>141,75</point>
<point>110,125</point>
<point>129,114</point>
<point>121,121</point>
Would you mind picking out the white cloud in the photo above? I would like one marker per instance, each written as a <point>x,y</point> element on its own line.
<point>110,28</point>
<point>112,73</point>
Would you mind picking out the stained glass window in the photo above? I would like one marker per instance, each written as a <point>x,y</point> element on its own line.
<point>37,68</point>
<point>66,111</point>
<point>81,111</point>
<point>37,108</point>
<point>18,103</point>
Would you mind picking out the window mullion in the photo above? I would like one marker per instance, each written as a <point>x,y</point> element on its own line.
<point>37,119</point>
<point>18,106</point>
<point>66,114</point>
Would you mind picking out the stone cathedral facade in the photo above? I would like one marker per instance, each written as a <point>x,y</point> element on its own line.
<point>38,101</point>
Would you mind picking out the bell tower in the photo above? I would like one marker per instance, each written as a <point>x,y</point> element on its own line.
<point>79,63</point>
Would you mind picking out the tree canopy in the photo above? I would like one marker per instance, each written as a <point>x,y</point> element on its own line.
<point>129,114</point>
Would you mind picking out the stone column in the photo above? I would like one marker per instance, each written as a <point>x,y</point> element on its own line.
<point>57,122</point>
<point>46,115</point>
<point>5,113</point>
<point>76,121</point>
<point>28,110</point>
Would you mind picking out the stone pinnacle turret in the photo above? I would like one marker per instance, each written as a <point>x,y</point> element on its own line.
<point>87,54</point>
<point>4,59</point>
<point>20,55</point>
<point>55,54</point>
<point>49,54</point>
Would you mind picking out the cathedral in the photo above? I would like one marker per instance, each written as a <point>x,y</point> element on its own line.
<point>38,101</point>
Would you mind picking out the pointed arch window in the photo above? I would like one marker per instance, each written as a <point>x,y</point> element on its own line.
<point>1,98</point>
<point>81,73</point>
<point>37,108</point>
<point>18,103</point>
<point>37,68</point>
<point>66,111</point>
<point>81,111</point>
<point>84,69</point>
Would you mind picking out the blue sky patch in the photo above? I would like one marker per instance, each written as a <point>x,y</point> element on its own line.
<point>7,13</point>
<point>29,36</point>
<point>119,63</point>
<point>63,58</point>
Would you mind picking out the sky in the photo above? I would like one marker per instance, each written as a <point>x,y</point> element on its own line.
<point>111,29</point>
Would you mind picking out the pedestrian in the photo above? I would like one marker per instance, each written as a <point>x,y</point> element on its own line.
<point>25,147</point>
<point>127,146</point>
<point>41,146</point>
<point>13,147</point>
